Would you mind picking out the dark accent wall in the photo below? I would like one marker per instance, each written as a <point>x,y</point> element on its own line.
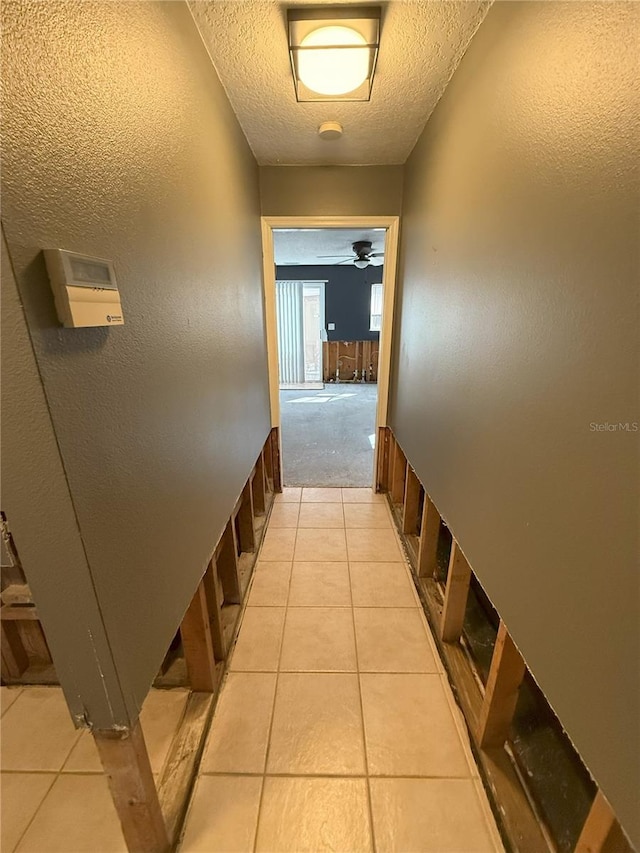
<point>517,344</point>
<point>125,448</point>
<point>347,295</point>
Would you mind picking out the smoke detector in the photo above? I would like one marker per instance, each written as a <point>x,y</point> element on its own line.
<point>330,130</point>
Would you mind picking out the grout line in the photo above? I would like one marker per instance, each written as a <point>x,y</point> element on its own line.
<point>364,736</point>
<point>257,775</point>
<point>275,694</point>
<point>57,774</point>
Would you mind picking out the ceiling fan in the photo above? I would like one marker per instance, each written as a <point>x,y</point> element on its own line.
<point>363,256</point>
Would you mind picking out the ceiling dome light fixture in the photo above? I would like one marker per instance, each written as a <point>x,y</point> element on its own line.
<point>362,263</point>
<point>333,52</point>
<point>340,66</point>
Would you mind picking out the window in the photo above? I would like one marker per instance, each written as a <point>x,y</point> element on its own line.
<point>375,316</point>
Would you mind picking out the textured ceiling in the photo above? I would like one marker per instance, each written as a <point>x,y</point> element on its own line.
<point>306,246</point>
<point>420,47</point>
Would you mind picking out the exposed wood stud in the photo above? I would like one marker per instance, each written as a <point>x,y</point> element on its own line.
<point>342,359</point>
<point>501,693</point>
<point>455,597</point>
<point>18,613</point>
<point>126,762</point>
<point>181,764</point>
<point>274,445</point>
<point>411,502</point>
<point>429,532</point>
<point>257,486</point>
<point>197,644</point>
<point>214,606</point>
<point>14,657</point>
<point>382,451</point>
<point>267,455</point>
<point>399,472</point>
<point>601,832</point>
<point>391,460</point>
<point>227,563</point>
<point>246,522</point>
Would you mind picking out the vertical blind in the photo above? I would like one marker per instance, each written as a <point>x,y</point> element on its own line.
<point>290,331</point>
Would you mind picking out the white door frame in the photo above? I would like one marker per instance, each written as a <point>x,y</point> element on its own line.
<point>392,224</point>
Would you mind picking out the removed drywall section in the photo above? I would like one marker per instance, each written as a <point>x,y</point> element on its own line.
<point>518,340</point>
<point>331,190</point>
<point>120,143</point>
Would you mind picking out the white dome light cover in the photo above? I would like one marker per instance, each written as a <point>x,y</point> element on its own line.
<point>341,67</point>
<point>333,52</point>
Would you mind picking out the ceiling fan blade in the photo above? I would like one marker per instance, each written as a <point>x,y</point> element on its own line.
<point>376,261</point>
<point>333,256</point>
<point>376,255</point>
<point>347,261</point>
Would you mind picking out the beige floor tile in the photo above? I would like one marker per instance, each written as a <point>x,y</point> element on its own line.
<point>270,586</point>
<point>239,733</point>
<point>313,545</point>
<point>317,725</point>
<point>8,696</point>
<point>278,544</point>
<point>160,718</point>
<point>392,640</point>
<point>311,815</point>
<point>322,495</point>
<point>22,793</point>
<point>77,815</point>
<point>258,646</point>
<point>361,496</point>
<point>381,585</point>
<point>289,494</point>
<point>320,584</point>
<point>428,816</point>
<point>321,515</point>
<point>37,732</point>
<point>223,815</point>
<point>409,728</point>
<point>284,515</point>
<point>378,546</point>
<point>318,639</point>
<point>368,516</point>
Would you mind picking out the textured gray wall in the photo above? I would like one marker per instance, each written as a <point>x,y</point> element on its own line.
<point>518,329</point>
<point>119,142</point>
<point>331,190</point>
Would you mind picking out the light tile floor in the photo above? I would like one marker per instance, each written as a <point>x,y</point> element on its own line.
<point>55,797</point>
<point>336,728</point>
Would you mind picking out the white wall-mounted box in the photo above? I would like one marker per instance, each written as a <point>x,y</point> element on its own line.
<point>85,289</point>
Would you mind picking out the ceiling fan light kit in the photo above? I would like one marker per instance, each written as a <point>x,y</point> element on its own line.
<point>333,51</point>
<point>364,256</point>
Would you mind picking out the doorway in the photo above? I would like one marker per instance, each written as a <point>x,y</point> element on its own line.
<point>329,283</point>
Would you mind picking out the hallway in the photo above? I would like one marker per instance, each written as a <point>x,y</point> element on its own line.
<point>336,713</point>
<point>178,632</point>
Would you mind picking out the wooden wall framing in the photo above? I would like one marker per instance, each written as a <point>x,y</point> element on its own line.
<point>488,710</point>
<point>350,361</point>
<point>26,658</point>
<point>151,817</point>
